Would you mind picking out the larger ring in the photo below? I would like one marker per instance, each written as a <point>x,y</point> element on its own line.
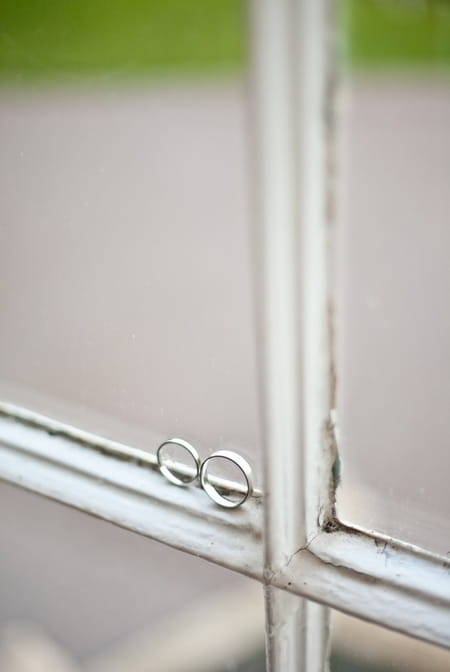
<point>213,491</point>
<point>164,469</point>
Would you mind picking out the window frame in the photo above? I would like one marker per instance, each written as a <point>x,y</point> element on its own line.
<point>290,538</point>
<point>368,575</point>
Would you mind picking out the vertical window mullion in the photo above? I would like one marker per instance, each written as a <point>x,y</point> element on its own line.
<point>290,84</point>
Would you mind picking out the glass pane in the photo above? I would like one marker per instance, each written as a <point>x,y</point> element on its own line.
<point>125,281</point>
<point>358,646</point>
<point>394,275</point>
<point>75,589</point>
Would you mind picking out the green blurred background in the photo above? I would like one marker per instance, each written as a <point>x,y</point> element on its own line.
<point>135,38</point>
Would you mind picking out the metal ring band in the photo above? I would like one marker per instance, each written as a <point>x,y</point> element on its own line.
<point>164,469</point>
<point>212,492</point>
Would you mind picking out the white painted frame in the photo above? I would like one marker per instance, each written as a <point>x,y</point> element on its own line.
<point>368,575</point>
<point>289,539</point>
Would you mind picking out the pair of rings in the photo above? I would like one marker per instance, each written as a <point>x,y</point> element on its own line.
<point>214,486</point>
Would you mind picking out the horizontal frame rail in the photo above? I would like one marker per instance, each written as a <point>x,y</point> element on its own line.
<point>126,489</point>
<point>109,447</point>
<point>376,578</point>
<point>367,575</point>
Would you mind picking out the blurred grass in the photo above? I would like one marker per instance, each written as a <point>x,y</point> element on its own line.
<point>51,38</point>
<point>397,33</point>
<point>64,38</point>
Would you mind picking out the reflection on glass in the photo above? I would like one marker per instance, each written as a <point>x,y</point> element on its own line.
<point>394,275</point>
<point>125,281</point>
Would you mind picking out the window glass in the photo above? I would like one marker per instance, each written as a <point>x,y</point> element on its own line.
<point>393,271</point>
<point>125,279</point>
<point>358,646</point>
<point>78,590</point>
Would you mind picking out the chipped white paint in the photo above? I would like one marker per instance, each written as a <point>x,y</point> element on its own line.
<point>290,73</point>
<point>131,494</point>
<point>376,578</point>
<point>299,551</point>
<point>367,575</point>
<point>108,447</point>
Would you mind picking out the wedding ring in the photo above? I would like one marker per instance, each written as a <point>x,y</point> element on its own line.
<point>213,485</point>
<point>169,468</point>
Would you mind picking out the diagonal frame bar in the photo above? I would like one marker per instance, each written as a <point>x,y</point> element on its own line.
<point>364,574</point>
<point>367,575</point>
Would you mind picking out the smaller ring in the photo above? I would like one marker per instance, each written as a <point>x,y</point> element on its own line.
<point>212,492</point>
<point>165,471</point>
